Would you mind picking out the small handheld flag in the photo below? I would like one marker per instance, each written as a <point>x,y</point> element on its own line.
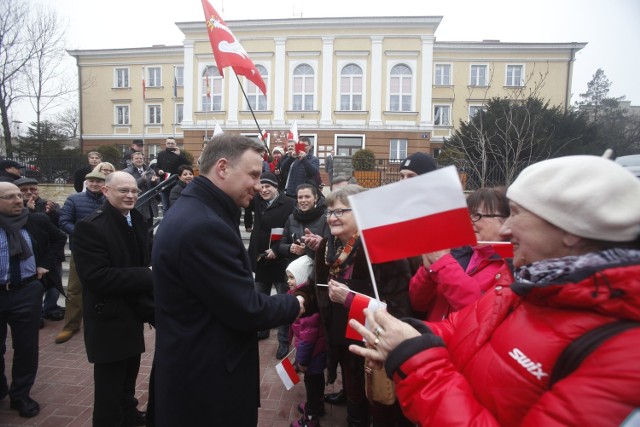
<point>359,303</point>
<point>287,373</point>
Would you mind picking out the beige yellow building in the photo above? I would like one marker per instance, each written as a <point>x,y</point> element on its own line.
<point>383,83</point>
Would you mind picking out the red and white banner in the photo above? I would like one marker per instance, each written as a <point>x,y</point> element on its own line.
<point>415,216</point>
<point>264,136</point>
<point>504,249</point>
<point>293,132</point>
<point>227,50</point>
<point>276,234</point>
<point>287,373</point>
<point>358,304</point>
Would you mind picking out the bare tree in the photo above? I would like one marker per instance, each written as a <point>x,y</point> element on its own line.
<point>68,122</point>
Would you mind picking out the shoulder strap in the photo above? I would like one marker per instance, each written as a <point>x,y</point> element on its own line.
<point>578,350</point>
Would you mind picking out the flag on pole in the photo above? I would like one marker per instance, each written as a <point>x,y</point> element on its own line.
<point>293,132</point>
<point>144,86</point>
<point>420,215</point>
<point>358,304</point>
<point>276,234</point>
<point>206,82</point>
<point>264,136</point>
<point>217,130</point>
<point>175,83</point>
<point>287,373</point>
<point>227,50</point>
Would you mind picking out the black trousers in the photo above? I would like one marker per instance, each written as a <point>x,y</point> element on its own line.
<point>115,386</point>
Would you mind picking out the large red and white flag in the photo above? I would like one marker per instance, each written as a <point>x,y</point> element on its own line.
<point>276,234</point>
<point>358,304</point>
<point>287,373</point>
<point>293,132</point>
<point>414,216</point>
<point>227,50</point>
<point>504,249</point>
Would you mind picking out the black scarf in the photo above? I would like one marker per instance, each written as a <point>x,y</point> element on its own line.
<point>311,215</point>
<point>12,226</point>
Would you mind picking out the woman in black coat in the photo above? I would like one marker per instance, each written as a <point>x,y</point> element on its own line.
<point>271,208</point>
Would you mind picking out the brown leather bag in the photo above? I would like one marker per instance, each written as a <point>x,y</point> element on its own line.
<point>379,388</point>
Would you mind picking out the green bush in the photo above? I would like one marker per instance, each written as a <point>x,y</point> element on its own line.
<point>363,160</point>
<point>111,154</point>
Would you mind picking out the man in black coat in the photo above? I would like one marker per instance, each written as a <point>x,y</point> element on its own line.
<point>168,162</point>
<point>93,157</point>
<point>207,310</point>
<point>26,267</point>
<point>112,260</point>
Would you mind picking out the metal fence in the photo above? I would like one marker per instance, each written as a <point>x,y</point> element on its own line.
<point>47,170</point>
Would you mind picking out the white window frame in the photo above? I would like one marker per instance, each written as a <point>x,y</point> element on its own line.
<point>179,75</point>
<point>362,138</point>
<point>474,80</point>
<point>413,66</point>
<point>476,107</point>
<point>400,149</point>
<point>178,113</point>
<point>117,115</point>
<point>214,81</point>
<point>253,92</point>
<point>340,66</point>
<point>509,81</point>
<point>153,116</point>
<point>440,81</point>
<point>116,80</point>
<point>154,76</point>
<point>292,67</point>
<point>437,114</point>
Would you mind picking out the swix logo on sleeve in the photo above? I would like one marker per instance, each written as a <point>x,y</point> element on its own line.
<point>533,368</point>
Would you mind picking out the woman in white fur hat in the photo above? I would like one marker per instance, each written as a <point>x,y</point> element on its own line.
<point>519,356</point>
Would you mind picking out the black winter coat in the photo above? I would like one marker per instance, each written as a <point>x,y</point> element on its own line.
<point>48,242</point>
<point>113,265</point>
<point>314,220</point>
<point>266,218</point>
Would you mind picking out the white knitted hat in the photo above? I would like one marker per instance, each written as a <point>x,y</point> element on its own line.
<point>588,196</point>
<point>301,269</point>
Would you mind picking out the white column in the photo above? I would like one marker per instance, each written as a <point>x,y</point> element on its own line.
<point>234,93</point>
<point>188,89</point>
<point>375,112</point>
<point>327,81</point>
<point>426,96</point>
<point>279,73</point>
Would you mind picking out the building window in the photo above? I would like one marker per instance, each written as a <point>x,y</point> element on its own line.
<point>211,89</point>
<point>122,114</point>
<point>347,145</point>
<point>154,114</point>
<point>179,76</point>
<point>257,100</point>
<point>443,75</point>
<point>122,77</point>
<point>155,77</point>
<point>179,114</point>
<point>478,75</point>
<point>397,150</point>
<point>400,90</point>
<point>475,109</point>
<point>351,88</point>
<point>303,83</point>
<point>442,115</point>
<point>514,75</point>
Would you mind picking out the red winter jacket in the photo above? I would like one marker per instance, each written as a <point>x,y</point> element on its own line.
<point>501,350</point>
<point>446,287</point>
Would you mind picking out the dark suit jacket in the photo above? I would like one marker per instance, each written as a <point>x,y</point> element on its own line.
<point>47,241</point>
<point>113,265</point>
<point>208,314</point>
<point>150,209</point>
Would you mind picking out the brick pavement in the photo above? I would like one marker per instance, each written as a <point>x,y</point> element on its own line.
<point>64,386</point>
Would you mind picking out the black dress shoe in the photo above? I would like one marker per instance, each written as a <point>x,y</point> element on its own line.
<point>263,335</point>
<point>55,315</point>
<point>283,349</point>
<point>26,407</point>
<point>135,418</point>
<point>338,398</point>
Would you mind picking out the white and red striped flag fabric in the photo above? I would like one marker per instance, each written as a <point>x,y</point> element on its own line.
<point>293,132</point>
<point>217,130</point>
<point>276,234</point>
<point>358,304</point>
<point>415,216</point>
<point>504,249</point>
<point>287,373</point>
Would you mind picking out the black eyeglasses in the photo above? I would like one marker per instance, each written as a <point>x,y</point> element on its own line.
<point>338,212</point>
<point>475,217</point>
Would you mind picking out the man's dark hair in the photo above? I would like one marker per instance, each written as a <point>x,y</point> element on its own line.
<point>305,139</point>
<point>227,146</point>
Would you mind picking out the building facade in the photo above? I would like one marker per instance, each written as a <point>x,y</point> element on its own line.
<point>383,83</point>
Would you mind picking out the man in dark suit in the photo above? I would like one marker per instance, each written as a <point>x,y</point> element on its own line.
<point>207,309</point>
<point>137,146</point>
<point>168,162</point>
<point>112,260</point>
<point>146,179</point>
<point>29,245</point>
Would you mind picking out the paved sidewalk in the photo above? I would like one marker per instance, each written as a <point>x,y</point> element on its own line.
<point>64,385</point>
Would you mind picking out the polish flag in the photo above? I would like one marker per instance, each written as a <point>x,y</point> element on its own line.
<point>217,130</point>
<point>415,216</point>
<point>287,373</point>
<point>358,304</point>
<point>276,234</point>
<point>263,137</point>
<point>144,86</point>
<point>293,132</point>
<point>504,249</point>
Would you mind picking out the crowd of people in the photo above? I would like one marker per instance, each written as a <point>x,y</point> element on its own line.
<point>467,336</point>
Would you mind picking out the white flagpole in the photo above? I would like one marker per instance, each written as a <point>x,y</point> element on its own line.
<point>364,245</point>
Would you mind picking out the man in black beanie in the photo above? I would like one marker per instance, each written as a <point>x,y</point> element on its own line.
<point>417,164</point>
